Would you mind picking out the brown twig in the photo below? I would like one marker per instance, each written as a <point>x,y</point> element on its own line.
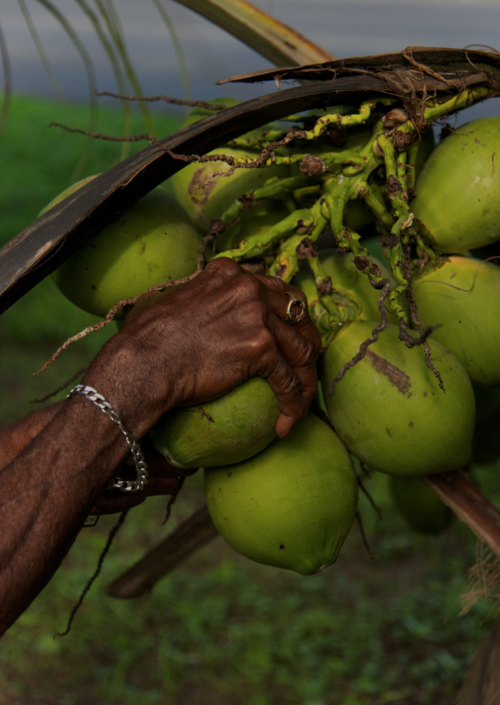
<point>369,497</point>
<point>165,98</point>
<point>202,249</point>
<point>408,55</point>
<point>97,571</point>
<point>363,536</point>
<point>173,497</point>
<point>188,537</point>
<point>483,580</point>
<point>99,136</point>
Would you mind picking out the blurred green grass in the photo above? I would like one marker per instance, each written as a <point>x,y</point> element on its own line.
<point>220,630</point>
<point>38,162</point>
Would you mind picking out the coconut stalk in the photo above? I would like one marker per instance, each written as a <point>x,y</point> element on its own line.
<point>191,535</point>
<point>470,505</point>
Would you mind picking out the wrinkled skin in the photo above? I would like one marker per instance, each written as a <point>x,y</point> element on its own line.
<point>185,346</point>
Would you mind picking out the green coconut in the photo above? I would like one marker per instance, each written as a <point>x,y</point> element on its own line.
<point>458,201</point>
<point>419,506</point>
<point>290,506</point>
<point>389,410</point>
<point>205,202</point>
<point>462,296</point>
<point>229,429</point>
<point>151,242</point>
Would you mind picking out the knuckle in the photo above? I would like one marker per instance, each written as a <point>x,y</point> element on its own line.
<point>263,339</point>
<point>305,352</point>
<point>249,285</point>
<point>277,283</point>
<point>223,267</point>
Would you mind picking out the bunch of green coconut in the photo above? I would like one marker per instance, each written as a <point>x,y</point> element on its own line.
<point>388,237</point>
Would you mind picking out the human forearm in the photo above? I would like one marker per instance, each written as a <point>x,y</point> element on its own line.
<point>46,493</point>
<point>17,435</point>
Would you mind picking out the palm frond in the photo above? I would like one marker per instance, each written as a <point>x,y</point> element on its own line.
<point>274,40</point>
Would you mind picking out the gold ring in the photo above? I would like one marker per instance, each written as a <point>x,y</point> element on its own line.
<point>289,317</point>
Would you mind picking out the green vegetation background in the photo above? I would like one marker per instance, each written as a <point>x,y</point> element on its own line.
<point>220,630</point>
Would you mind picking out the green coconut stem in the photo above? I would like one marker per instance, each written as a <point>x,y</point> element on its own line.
<point>396,187</point>
<point>274,188</point>
<point>411,158</point>
<point>300,245</point>
<point>425,253</point>
<point>340,305</point>
<point>464,99</point>
<point>348,240</point>
<point>345,121</point>
<point>349,158</point>
<point>337,119</point>
<point>375,204</point>
<point>264,138</point>
<point>262,242</point>
<point>286,264</point>
<point>307,192</point>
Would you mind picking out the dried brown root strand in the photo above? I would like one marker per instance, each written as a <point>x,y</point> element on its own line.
<point>411,342</point>
<point>408,55</point>
<point>110,316</point>
<point>369,497</point>
<point>165,98</point>
<point>97,571</point>
<point>202,249</point>
<point>414,317</point>
<point>69,381</point>
<point>190,158</point>
<point>173,497</point>
<point>369,341</point>
<point>265,154</point>
<point>365,471</point>
<point>363,536</point>
<point>99,136</point>
<point>483,580</point>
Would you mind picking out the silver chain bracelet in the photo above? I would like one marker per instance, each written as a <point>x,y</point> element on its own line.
<point>140,464</point>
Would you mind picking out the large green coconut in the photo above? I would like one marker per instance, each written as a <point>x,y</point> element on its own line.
<point>458,198</point>
<point>151,242</point>
<point>290,506</point>
<point>419,506</point>
<point>229,429</point>
<point>205,202</point>
<point>462,296</point>
<point>389,410</point>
